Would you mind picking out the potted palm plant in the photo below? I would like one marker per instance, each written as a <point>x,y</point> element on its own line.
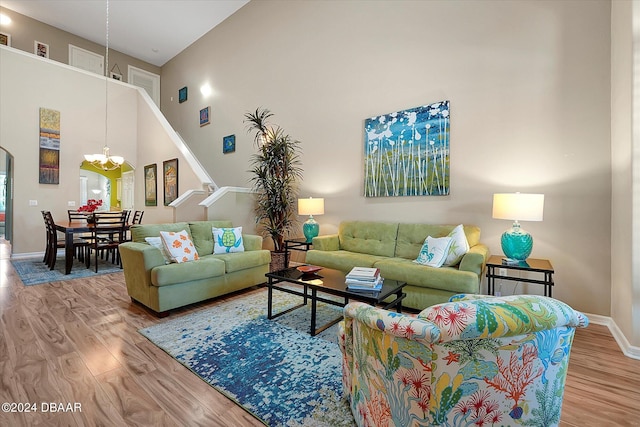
<point>276,173</point>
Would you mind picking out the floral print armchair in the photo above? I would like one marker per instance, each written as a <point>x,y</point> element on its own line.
<point>476,360</point>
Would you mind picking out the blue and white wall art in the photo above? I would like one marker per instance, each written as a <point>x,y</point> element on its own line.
<point>406,153</point>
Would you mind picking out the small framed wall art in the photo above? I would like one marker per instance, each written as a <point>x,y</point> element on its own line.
<point>115,76</point>
<point>5,39</point>
<point>170,179</point>
<point>41,49</point>
<point>229,144</point>
<point>151,185</point>
<point>204,116</point>
<point>182,95</point>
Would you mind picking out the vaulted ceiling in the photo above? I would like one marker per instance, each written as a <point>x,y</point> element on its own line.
<point>151,30</point>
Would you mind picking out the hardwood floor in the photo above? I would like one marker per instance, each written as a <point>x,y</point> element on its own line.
<point>76,342</point>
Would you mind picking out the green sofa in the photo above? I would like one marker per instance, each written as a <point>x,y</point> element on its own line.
<point>163,287</point>
<point>392,247</point>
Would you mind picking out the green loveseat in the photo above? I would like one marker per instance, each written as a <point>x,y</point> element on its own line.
<point>392,247</point>
<point>162,287</point>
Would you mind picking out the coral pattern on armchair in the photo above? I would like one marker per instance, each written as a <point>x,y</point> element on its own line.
<point>476,360</point>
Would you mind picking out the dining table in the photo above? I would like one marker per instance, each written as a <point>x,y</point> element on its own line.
<point>69,228</point>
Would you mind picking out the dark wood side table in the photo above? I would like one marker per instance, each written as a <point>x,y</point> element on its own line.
<point>495,263</point>
<point>299,244</point>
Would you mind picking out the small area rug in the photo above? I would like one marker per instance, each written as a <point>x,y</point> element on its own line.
<point>33,271</point>
<point>272,368</point>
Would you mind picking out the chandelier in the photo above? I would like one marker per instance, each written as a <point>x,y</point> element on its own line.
<point>105,161</point>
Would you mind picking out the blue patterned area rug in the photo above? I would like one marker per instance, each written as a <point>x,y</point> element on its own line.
<point>33,271</point>
<point>272,368</point>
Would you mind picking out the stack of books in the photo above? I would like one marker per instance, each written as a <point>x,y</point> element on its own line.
<point>364,279</point>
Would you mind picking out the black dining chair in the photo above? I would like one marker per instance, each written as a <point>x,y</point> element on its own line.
<point>76,215</point>
<point>54,243</point>
<point>137,217</point>
<point>106,235</point>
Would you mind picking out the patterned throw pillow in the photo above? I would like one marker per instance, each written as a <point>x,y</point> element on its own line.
<point>179,246</point>
<point>459,246</point>
<point>227,240</point>
<point>157,243</point>
<point>434,251</point>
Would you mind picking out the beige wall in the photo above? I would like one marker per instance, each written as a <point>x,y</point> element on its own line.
<point>27,83</point>
<point>622,261</point>
<point>529,85</point>
<point>635,250</point>
<point>24,31</point>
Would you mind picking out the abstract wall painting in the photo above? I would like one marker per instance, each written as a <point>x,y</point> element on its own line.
<point>406,153</point>
<point>49,168</point>
<point>204,116</point>
<point>182,95</point>
<point>229,144</point>
<point>170,178</point>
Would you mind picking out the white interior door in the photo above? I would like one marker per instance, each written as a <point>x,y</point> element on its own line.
<point>86,60</point>
<point>147,81</point>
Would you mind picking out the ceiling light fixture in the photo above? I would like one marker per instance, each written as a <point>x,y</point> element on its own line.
<point>206,90</point>
<point>105,161</point>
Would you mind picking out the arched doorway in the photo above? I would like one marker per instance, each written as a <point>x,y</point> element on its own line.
<point>114,188</point>
<point>6,196</point>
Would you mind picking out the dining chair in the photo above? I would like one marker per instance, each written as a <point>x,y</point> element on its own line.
<point>106,235</point>
<point>76,215</point>
<point>47,250</point>
<point>54,243</point>
<point>79,216</point>
<point>137,217</point>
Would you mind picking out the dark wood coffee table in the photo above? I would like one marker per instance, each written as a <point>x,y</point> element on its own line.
<point>331,282</point>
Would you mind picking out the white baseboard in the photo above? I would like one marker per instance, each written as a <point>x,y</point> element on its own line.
<point>628,350</point>
<point>28,255</point>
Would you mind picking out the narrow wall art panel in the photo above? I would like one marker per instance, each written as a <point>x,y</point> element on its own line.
<point>170,178</point>
<point>406,153</point>
<point>49,168</point>
<point>151,185</point>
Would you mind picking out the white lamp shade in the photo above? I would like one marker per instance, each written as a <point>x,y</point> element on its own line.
<point>118,160</point>
<point>311,206</point>
<point>518,206</point>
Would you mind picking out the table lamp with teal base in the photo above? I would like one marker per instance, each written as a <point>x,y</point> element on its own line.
<point>516,243</point>
<point>310,207</point>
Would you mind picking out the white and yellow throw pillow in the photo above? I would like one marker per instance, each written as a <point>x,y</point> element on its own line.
<point>179,246</point>
<point>459,246</point>
<point>227,240</point>
<point>434,251</point>
<point>157,243</point>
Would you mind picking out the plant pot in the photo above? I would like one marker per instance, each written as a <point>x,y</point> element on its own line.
<point>278,261</point>
<point>91,219</point>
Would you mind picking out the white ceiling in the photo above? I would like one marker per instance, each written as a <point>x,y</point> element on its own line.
<point>151,30</point>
